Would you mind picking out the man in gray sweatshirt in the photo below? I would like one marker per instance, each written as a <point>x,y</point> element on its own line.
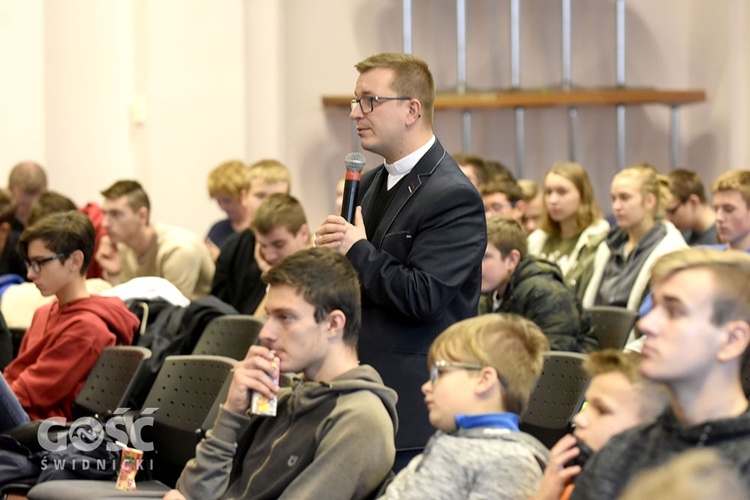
<point>333,433</point>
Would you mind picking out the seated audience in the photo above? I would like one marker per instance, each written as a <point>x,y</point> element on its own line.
<point>280,228</point>
<point>341,445</point>
<point>623,261</point>
<point>688,208</point>
<point>26,182</point>
<point>136,246</point>
<point>66,336</point>
<point>502,196</point>
<point>514,282</point>
<point>10,260</point>
<point>229,185</point>
<point>237,279</point>
<point>696,340</point>
<point>474,168</point>
<point>731,199</point>
<point>532,195</point>
<point>617,398</point>
<point>482,373</point>
<point>497,169</point>
<point>572,226</point>
<point>698,474</point>
<point>49,202</point>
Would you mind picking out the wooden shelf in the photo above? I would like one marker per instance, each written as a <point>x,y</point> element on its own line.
<point>551,98</point>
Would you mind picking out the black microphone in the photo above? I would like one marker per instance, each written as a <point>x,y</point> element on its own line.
<point>354,163</point>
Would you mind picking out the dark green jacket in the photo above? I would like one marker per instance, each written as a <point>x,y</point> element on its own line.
<point>536,291</point>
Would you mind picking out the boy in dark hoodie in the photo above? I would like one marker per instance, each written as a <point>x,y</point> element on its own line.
<point>67,335</point>
<point>333,433</point>
<point>514,282</point>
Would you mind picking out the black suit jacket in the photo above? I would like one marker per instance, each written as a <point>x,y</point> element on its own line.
<point>420,274</point>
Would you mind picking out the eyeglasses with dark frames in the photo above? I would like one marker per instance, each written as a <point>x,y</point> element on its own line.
<point>372,99</point>
<point>36,264</point>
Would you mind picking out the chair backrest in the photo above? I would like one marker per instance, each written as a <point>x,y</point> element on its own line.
<point>612,325</point>
<point>557,397</point>
<point>230,335</point>
<point>110,381</point>
<point>184,393</point>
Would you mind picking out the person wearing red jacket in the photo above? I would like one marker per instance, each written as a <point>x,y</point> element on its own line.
<point>66,336</point>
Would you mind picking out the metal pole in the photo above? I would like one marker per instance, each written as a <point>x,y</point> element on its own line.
<point>461,45</point>
<point>573,133</point>
<point>461,67</point>
<point>621,43</point>
<point>566,72</point>
<point>407,26</point>
<point>621,145</point>
<point>515,77</point>
<point>466,143</point>
<point>515,44</point>
<point>567,80</point>
<point>520,142</point>
<point>620,137</point>
<point>674,138</point>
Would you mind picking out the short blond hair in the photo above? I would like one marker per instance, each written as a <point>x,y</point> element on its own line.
<point>511,344</point>
<point>231,177</point>
<point>734,180</point>
<point>279,210</point>
<point>270,170</point>
<point>651,182</point>
<point>730,270</point>
<point>654,397</point>
<point>697,474</point>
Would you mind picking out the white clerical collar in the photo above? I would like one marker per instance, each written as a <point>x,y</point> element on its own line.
<point>403,166</point>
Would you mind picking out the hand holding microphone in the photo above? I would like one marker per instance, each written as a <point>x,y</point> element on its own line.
<point>354,163</point>
<point>333,232</point>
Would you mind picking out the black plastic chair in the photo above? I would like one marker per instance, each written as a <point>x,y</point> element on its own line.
<point>186,393</point>
<point>230,335</point>
<point>110,382</point>
<point>557,397</point>
<point>612,325</point>
<point>106,389</point>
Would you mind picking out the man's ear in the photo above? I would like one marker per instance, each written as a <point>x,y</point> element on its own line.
<point>693,200</point>
<point>336,322</point>
<point>415,112</point>
<point>736,340</point>
<point>143,215</point>
<point>304,233</point>
<point>519,210</point>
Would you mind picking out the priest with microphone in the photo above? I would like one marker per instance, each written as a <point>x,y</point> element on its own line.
<point>417,240</point>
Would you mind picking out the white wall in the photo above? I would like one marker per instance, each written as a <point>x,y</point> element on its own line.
<point>243,79</point>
